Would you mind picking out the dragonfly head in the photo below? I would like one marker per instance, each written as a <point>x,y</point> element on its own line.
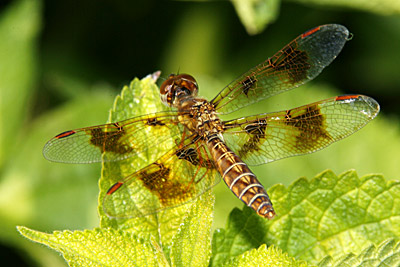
<point>176,88</point>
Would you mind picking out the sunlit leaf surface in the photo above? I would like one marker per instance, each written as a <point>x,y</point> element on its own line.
<point>329,215</point>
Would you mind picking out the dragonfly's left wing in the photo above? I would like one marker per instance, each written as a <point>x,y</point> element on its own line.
<point>179,176</point>
<point>115,141</point>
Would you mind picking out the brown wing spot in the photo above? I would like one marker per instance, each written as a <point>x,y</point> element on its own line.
<point>248,84</point>
<point>188,154</point>
<point>154,122</point>
<point>293,62</point>
<point>163,183</point>
<point>311,127</point>
<point>256,132</point>
<point>191,155</point>
<point>108,139</point>
<point>65,134</point>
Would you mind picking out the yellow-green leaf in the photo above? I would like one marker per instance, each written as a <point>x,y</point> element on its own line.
<point>329,215</point>
<point>183,231</point>
<point>264,256</point>
<point>192,243</point>
<point>100,247</point>
<point>386,253</point>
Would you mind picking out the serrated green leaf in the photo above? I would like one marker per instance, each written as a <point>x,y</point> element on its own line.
<point>329,215</point>
<point>264,256</point>
<point>192,243</point>
<point>100,247</point>
<point>256,14</point>
<point>244,231</point>
<point>183,231</point>
<point>386,253</point>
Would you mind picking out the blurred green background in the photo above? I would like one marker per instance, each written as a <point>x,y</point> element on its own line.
<point>63,62</point>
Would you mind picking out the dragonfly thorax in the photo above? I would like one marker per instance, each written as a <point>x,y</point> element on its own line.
<point>200,117</point>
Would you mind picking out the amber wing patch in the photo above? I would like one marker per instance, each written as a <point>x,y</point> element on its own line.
<point>310,125</point>
<point>108,139</point>
<point>176,178</point>
<point>268,137</point>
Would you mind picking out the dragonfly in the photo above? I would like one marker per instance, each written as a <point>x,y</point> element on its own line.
<point>199,148</point>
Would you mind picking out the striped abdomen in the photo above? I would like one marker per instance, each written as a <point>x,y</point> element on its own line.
<point>242,182</point>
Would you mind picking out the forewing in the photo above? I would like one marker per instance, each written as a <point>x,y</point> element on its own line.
<point>267,137</point>
<point>298,62</point>
<point>179,176</point>
<point>117,141</point>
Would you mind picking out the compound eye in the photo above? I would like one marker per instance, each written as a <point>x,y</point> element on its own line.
<point>166,90</point>
<point>177,87</point>
<point>188,82</point>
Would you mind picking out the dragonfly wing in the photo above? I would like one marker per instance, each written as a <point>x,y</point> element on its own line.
<point>268,137</point>
<point>298,62</point>
<point>117,141</point>
<point>179,176</point>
